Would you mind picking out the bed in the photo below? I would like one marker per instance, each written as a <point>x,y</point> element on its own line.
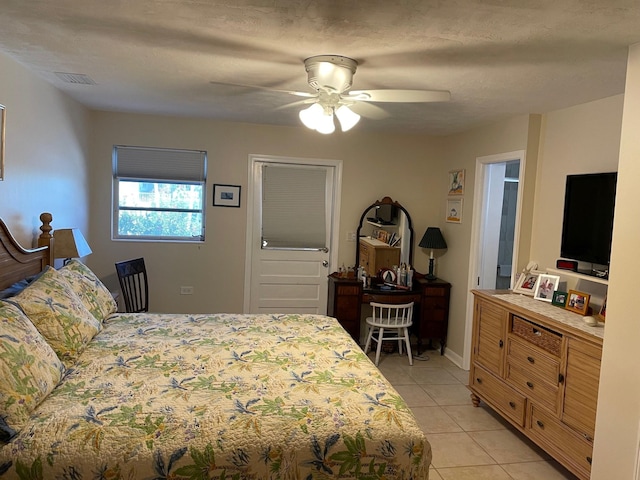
<point>184,396</point>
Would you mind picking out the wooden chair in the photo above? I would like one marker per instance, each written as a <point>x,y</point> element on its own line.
<point>132,275</point>
<point>396,318</point>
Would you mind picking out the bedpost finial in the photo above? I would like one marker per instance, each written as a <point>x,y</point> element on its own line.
<point>46,228</point>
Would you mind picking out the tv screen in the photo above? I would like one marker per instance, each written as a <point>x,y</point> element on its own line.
<point>386,214</point>
<point>587,225</point>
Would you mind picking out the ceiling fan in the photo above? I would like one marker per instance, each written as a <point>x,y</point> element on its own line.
<point>331,77</point>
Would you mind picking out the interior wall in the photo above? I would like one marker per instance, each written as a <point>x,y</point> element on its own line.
<point>461,151</point>
<point>404,167</point>
<point>46,136</point>
<point>581,139</point>
<point>616,449</point>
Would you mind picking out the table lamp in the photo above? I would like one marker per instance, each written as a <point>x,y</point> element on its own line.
<point>432,239</point>
<point>69,243</point>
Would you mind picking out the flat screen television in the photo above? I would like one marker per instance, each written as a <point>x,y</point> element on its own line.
<point>386,214</point>
<point>587,225</point>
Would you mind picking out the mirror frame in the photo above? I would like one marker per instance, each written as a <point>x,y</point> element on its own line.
<point>385,201</point>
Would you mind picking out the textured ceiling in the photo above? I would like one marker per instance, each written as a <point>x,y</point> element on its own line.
<point>498,58</point>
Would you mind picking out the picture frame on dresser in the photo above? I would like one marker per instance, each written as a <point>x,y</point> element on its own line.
<point>603,310</point>
<point>578,302</point>
<point>526,283</point>
<point>559,299</point>
<point>545,287</point>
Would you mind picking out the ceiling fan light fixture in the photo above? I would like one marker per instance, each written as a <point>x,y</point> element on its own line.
<point>347,118</point>
<point>318,118</point>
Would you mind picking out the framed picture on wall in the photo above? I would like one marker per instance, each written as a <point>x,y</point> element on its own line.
<point>226,195</point>
<point>456,182</point>
<point>454,210</point>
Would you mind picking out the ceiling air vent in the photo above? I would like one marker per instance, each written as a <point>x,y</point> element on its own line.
<point>77,78</point>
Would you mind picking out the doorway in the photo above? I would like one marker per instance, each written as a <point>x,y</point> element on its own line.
<point>292,218</point>
<point>495,229</point>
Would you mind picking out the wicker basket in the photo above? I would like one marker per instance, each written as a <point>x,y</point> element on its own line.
<point>540,336</point>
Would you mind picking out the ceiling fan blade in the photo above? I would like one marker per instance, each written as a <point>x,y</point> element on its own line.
<point>368,110</point>
<point>401,96</point>
<point>268,89</point>
<point>305,101</point>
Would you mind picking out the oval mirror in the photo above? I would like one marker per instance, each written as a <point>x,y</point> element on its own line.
<point>386,227</point>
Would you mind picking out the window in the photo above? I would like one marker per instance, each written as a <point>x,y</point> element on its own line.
<point>158,193</point>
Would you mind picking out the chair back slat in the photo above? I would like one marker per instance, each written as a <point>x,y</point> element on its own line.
<point>392,315</point>
<point>132,275</point>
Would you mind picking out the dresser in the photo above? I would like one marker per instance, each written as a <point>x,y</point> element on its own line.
<point>538,366</point>
<point>375,255</point>
<point>431,309</point>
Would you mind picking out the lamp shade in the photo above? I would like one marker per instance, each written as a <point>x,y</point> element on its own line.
<point>70,243</point>
<point>433,238</point>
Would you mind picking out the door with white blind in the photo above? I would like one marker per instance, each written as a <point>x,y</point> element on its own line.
<point>291,239</point>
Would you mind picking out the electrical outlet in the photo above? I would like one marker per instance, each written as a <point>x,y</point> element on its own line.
<point>351,236</point>
<point>186,290</point>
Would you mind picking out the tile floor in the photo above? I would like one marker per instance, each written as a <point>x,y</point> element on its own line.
<point>468,443</point>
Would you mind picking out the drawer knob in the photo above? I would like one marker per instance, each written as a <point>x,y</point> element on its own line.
<point>588,437</point>
<point>560,378</point>
<point>540,424</point>
<point>589,460</point>
<point>512,405</point>
<point>478,380</point>
<point>501,343</point>
<point>537,332</point>
<point>529,384</point>
<point>531,360</point>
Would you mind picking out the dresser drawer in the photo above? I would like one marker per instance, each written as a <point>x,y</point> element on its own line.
<point>544,366</point>
<point>560,440</point>
<point>499,395</point>
<point>533,387</point>
<point>538,335</point>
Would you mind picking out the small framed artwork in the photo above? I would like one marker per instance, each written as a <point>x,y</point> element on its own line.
<point>526,283</point>
<point>454,210</point>
<point>456,182</point>
<point>547,284</point>
<point>2,122</point>
<point>603,310</point>
<point>226,195</point>
<point>578,302</point>
<point>559,299</point>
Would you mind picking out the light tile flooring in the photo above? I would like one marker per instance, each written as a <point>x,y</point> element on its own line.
<point>468,443</point>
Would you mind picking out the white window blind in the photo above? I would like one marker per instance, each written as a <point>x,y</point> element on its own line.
<point>293,207</point>
<point>160,164</point>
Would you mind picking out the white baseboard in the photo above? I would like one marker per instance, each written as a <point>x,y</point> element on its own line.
<point>454,357</point>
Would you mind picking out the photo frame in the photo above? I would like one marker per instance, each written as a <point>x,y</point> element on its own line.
<point>3,121</point>
<point>454,210</point>
<point>545,287</point>
<point>226,195</point>
<point>456,182</point>
<point>578,302</point>
<point>526,283</point>
<point>559,298</point>
<point>603,310</point>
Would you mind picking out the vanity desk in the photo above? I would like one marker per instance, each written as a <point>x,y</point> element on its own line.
<point>431,309</point>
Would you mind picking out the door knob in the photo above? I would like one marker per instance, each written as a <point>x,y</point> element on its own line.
<point>325,263</point>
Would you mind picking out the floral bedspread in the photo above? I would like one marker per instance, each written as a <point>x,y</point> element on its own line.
<point>159,396</point>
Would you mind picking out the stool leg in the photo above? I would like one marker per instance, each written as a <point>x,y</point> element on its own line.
<point>369,335</point>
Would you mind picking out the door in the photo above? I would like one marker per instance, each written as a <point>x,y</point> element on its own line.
<point>291,237</point>
<point>495,228</point>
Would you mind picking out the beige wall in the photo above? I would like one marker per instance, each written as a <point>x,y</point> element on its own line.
<point>461,151</point>
<point>46,148</point>
<point>617,425</point>
<point>407,168</point>
<point>580,139</point>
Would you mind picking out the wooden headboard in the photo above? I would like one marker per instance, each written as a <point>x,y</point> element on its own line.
<point>18,263</point>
